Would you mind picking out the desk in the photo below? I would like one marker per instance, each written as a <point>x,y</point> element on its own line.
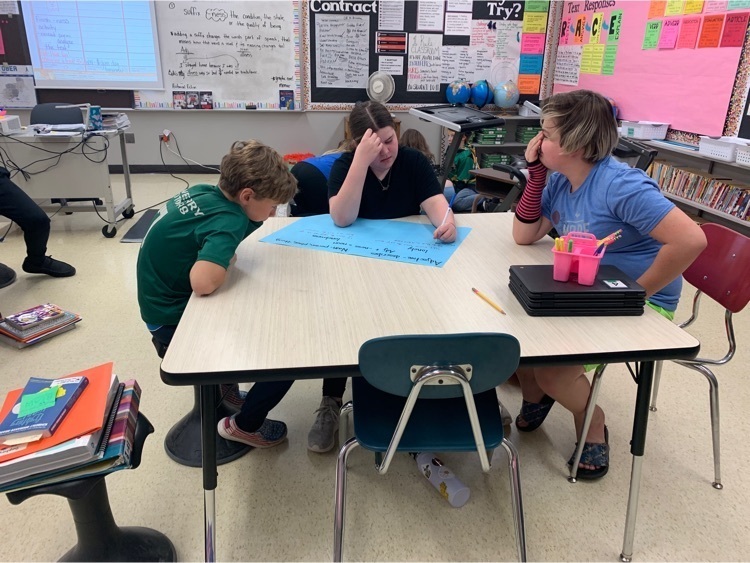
<point>329,304</point>
<point>494,183</point>
<point>81,173</point>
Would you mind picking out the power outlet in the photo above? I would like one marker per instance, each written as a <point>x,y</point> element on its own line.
<point>130,138</point>
<point>164,135</point>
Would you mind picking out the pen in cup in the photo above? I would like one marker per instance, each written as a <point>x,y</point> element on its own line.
<point>489,301</point>
<point>447,211</point>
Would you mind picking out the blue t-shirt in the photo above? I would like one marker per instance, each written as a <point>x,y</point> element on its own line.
<point>614,196</point>
<point>324,162</point>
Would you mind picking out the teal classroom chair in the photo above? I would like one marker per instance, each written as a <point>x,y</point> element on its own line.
<point>431,393</point>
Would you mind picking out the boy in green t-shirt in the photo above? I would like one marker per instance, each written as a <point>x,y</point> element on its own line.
<point>189,247</point>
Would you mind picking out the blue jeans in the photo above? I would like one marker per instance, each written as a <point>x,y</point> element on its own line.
<point>262,397</point>
<point>464,199</point>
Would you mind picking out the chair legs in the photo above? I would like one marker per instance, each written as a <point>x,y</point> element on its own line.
<point>713,395</point>
<point>514,474</point>
<point>345,415</point>
<point>339,512</point>
<point>339,515</point>
<point>596,383</point>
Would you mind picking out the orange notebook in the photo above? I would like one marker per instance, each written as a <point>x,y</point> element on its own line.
<point>87,415</point>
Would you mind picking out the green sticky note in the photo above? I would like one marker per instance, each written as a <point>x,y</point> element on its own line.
<point>36,402</point>
<point>537,5</point>
<point>651,37</point>
<point>608,64</point>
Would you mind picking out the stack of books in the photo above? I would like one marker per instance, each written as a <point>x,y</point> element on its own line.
<point>489,136</point>
<point>487,160</point>
<point>524,133</point>
<point>115,121</point>
<point>36,324</point>
<point>93,436</point>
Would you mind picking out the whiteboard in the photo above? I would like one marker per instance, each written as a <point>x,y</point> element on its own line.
<point>227,55</point>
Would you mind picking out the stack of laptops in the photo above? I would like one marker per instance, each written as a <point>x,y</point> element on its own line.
<point>613,293</point>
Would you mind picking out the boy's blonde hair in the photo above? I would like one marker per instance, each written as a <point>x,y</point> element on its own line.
<point>584,120</point>
<point>251,164</point>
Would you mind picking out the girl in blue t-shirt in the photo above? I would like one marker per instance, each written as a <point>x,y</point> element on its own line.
<point>590,191</point>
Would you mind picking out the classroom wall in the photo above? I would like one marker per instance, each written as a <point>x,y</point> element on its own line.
<point>205,136</point>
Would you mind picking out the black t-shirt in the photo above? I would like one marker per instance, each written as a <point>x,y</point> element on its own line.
<point>410,181</point>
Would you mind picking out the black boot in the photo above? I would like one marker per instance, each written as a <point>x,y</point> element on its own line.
<point>7,275</point>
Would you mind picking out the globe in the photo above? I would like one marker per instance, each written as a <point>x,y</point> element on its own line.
<point>481,93</point>
<point>506,94</point>
<point>458,92</point>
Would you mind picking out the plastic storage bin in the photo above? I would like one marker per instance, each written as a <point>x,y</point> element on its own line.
<point>644,129</point>
<point>742,156</point>
<point>723,148</point>
<point>581,261</point>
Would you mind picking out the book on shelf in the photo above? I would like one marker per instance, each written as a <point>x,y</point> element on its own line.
<point>114,452</point>
<point>12,332</point>
<point>74,452</point>
<point>85,418</point>
<point>41,407</point>
<point>40,315</point>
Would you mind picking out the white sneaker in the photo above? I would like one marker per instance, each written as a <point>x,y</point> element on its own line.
<point>507,419</point>
<point>322,435</point>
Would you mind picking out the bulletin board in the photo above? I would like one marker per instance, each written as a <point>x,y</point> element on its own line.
<point>424,45</point>
<point>673,61</point>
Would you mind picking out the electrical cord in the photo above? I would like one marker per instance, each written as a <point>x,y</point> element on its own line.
<point>161,155</point>
<point>185,159</point>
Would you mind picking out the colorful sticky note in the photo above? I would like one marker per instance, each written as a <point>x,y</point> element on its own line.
<point>738,4</point>
<point>537,6</point>
<point>39,401</point>
<point>615,24</point>
<point>674,8</point>
<point>651,37</point>
<point>715,6</point>
<point>735,26</point>
<point>532,43</point>
<point>689,32</point>
<point>596,27</point>
<point>530,64</point>
<point>693,6</point>
<point>529,83</point>
<point>670,29</point>
<point>711,31</point>
<point>656,9</point>
<point>608,62</point>
<point>534,22</point>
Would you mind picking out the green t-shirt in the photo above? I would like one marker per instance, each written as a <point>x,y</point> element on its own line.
<point>462,163</point>
<point>199,223</point>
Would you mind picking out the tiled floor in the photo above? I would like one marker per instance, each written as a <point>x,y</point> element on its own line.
<point>277,504</point>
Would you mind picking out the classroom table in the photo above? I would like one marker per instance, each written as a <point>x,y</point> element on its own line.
<point>70,167</point>
<point>329,304</point>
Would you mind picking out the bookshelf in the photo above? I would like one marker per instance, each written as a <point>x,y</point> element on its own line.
<point>686,158</point>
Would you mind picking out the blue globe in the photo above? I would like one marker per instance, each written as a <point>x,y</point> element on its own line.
<point>481,93</point>
<point>458,92</point>
<point>506,94</point>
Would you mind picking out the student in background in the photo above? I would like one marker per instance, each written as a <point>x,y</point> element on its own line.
<point>590,191</point>
<point>415,140</point>
<point>312,181</point>
<point>16,205</point>
<point>376,180</point>
<point>188,249</point>
<point>464,184</point>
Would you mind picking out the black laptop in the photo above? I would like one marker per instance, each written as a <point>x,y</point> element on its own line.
<point>612,294</point>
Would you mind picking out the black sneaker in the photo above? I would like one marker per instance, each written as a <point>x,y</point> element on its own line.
<point>489,204</point>
<point>7,275</point>
<point>48,265</point>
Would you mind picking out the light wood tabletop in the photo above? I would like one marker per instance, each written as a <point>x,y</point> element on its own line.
<point>284,310</point>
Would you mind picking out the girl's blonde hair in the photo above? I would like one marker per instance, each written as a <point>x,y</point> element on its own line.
<point>251,164</point>
<point>584,120</point>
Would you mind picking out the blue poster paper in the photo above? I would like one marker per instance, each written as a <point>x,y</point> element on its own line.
<point>386,239</point>
<point>530,64</point>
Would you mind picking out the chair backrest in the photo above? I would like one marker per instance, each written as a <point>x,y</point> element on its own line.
<point>52,114</point>
<point>722,270</point>
<point>387,363</point>
<point>312,182</point>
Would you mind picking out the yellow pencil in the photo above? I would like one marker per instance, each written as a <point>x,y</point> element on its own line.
<point>488,300</point>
